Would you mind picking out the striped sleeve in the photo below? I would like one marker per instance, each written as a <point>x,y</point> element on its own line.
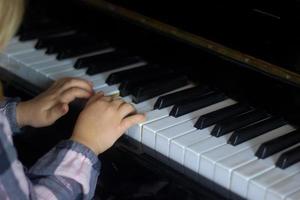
<point>8,108</point>
<point>68,171</point>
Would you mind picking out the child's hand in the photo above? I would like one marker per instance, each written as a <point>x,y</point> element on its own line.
<point>103,121</point>
<point>52,104</point>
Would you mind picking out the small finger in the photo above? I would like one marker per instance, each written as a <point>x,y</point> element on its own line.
<point>107,98</point>
<point>73,93</point>
<point>95,97</point>
<point>118,102</point>
<point>76,82</point>
<point>126,109</point>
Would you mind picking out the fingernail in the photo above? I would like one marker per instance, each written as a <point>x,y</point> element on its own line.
<point>64,108</point>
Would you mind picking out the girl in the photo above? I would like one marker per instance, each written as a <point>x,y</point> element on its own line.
<point>70,169</point>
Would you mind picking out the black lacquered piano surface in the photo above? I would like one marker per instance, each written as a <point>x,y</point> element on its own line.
<point>212,126</point>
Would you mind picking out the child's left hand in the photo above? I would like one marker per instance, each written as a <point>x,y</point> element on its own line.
<point>52,104</point>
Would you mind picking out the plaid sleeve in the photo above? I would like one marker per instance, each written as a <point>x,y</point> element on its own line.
<point>8,108</point>
<point>69,171</point>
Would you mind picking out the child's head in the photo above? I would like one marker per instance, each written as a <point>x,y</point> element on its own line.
<point>11,12</point>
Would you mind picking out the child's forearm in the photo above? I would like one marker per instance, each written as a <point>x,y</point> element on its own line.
<point>72,166</point>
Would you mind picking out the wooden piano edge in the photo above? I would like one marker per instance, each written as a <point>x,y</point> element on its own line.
<point>230,54</point>
<point>144,156</point>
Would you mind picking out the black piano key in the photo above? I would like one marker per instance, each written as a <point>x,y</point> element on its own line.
<point>126,87</point>
<point>73,52</point>
<point>89,61</point>
<point>70,43</point>
<point>131,74</point>
<point>211,118</point>
<point>158,87</point>
<point>288,158</point>
<point>237,122</point>
<point>195,104</point>
<point>177,97</point>
<point>278,144</point>
<point>45,31</point>
<point>45,42</point>
<point>252,131</point>
<point>77,41</point>
<point>128,84</point>
<point>108,65</point>
<point>35,24</point>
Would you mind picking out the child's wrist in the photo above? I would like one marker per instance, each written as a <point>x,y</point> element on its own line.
<point>22,114</point>
<point>89,145</point>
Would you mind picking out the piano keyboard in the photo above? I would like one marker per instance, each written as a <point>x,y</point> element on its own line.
<point>243,149</point>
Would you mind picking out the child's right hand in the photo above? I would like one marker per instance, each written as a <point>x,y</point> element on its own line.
<point>103,120</point>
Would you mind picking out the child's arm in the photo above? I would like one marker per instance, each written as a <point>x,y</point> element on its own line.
<point>69,170</point>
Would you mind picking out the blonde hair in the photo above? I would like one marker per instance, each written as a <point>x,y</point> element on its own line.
<point>11,12</point>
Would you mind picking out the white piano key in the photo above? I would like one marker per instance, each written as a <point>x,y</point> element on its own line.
<point>258,186</point>
<point>179,144</point>
<point>55,69</point>
<point>163,138</point>
<point>19,48</point>
<point>21,57</point>
<point>210,158</point>
<point>283,189</point>
<point>242,175</point>
<point>143,107</point>
<point>91,77</point>
<point>109,90</point>
<point>135,132</point>
<point>150,130</point>
<point>147,108</point>
<point>294,196</point>
<point>225,167</point>
<point>49,64</point>
<point>37,59</point>
<point>32,58</point>
<point>68,73</point>
<point>193,153</point>
<point>98,83</point>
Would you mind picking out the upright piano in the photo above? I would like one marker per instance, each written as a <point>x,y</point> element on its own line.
<point>218,82</point>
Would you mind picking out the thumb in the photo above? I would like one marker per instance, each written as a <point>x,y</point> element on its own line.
<point>129,121</point>
<point>58,111</point>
